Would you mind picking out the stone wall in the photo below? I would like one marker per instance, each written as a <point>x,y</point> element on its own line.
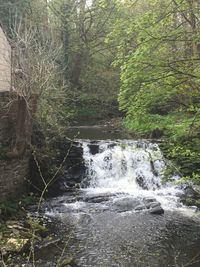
<point>13,176</point>
<point>5,62</point>
<point>7,119</point>
<point>13,170</point>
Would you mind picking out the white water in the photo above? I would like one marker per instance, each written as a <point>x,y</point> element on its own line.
<point>118,166</point>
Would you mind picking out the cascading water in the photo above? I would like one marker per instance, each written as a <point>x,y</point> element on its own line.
<point>123,215</point>
<point>125,166</point>
<point>131,167</point>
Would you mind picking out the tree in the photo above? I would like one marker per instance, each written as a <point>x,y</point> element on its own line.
<point>160,72</point>
<point>158,53</point>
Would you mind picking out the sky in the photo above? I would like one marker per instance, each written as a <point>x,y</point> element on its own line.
<point>89,2</point>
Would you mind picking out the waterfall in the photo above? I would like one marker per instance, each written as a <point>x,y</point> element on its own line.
<point>121,208</point>
<point>124,165</point>
<point>133,167</point>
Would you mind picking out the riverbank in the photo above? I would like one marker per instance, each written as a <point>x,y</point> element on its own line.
<point>27,236</point>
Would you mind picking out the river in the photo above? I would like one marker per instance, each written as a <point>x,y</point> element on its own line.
<point>122,214</point>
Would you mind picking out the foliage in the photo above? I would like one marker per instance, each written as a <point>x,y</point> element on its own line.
<point>185,154</point>
<point>85,59</point>
<point>158,54</point>
<point>61,55</point>
<point>12,207</point>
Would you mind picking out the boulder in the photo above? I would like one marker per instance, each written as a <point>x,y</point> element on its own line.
<point>152,204</point>
<point>140,207</point>
<point>126,204</point>
<point>156,210</point>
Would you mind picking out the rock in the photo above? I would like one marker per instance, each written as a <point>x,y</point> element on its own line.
<point>156,210</point>
<point>190,192</point>
<point>66,262</point>
<point>197,203</point>
<point>197,188</point>
<point>149,199</point>
<point>15,245</point>
<point>191,196</point>
<point>189,201</point>
<point>98,198</point>
<point>156,133</point>
<point>14,225</point>
<point>126,204</point>
<point>153,204</point>
<point>46,244</point>
<point>140,207</point>
<point>69,176</point>
<point>141,182</point>
<point>112,145</point>
<point>141,144</point>
<point>94,148</point>
<point>154,171</point>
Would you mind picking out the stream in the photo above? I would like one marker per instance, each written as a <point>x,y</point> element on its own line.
<point>122,214</point>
